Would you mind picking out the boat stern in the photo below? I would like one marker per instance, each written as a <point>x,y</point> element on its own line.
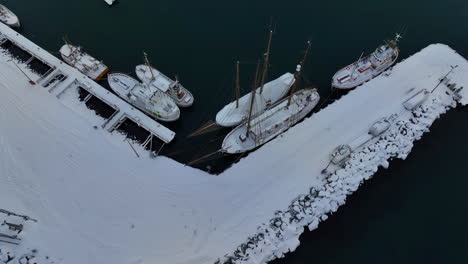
<point>166,109</point>
<point>342,79</point>
<point>16,23</point>
<point>168,116</point>
<point>187,100</point>
<point>237,142</point>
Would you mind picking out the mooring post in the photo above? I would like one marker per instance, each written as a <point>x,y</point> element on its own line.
<point>157,154</point>
<point>30,80</point>
<point>441,80</point>
<point>136,153</point>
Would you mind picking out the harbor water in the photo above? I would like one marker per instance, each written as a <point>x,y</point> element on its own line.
<point>414,212</point>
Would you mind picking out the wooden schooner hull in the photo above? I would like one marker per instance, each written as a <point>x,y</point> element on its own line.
<point>271,123</point>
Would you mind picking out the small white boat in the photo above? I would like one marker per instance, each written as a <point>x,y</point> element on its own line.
<point>149,75</point>
<point>368,67</point>
<point>272,122</point>
<point>8,17</point>
<point>109,2</point>
<point>150,100</point>
<point>85,63</point>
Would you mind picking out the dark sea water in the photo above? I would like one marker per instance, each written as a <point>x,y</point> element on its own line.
<point>414,212</point>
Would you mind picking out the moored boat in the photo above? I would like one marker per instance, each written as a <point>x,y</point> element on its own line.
<point>272,122</point>
<point>367,67</point>
<point>265,126</point>
<point>233,114</point>
<point>266,95</point>
<point>150,100</point>
<point>8,17</point>
<point>109,2</point>
<point>149,75</point>
<point>85,63</point>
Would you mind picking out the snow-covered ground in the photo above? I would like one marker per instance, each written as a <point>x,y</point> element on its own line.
<point>61,78</point>
<point>96,202</point>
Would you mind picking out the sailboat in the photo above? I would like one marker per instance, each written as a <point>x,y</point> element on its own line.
<point>154,78</point>
<point>8,17</point>
<point>148,99</point>
<point>263,127</point>
<point>266,95</point>
<point>368,67</point>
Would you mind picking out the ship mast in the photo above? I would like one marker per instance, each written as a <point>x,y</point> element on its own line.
<point>252,99</point>
<point>299,72</point>
<point>67,42</point>
<point>356,64</point>
<point>266,62</point>
<point>148,65</point>
<point>237,85</point>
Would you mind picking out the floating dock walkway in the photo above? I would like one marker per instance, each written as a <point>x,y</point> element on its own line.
<point>56,77</point>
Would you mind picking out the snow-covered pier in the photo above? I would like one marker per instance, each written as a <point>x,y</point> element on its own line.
<point>58,78</point>
<point>85,187</point>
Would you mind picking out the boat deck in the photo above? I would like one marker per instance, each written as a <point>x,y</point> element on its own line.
<point>58,77</point>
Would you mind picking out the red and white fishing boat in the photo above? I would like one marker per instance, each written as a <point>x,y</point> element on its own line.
<point>367,67</point>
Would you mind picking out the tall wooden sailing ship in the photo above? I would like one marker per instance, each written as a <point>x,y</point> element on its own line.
<point>265,126</point>
<point>266,95</point>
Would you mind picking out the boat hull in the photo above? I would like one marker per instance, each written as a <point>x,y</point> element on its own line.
<point>271,123</point>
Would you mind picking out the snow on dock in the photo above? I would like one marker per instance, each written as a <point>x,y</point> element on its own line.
<point>95,202</point>
<point>58,78</point>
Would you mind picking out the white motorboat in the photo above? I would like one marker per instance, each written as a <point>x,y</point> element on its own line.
<point>151,101</point>
<point>8,17</point>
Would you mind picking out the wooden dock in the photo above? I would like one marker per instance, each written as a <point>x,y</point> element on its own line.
<point>56,77</point>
